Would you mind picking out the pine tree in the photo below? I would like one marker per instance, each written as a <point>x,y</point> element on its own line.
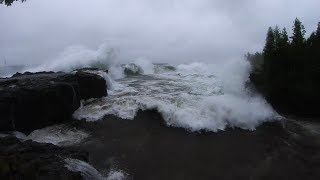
<point>317,38</point>
<point>268,55</point>
<point>298,29</point>
<point>284,46</point>
<point>284,39</point>
<point>269,47</point>
<point>277,39</point>
<point>318,30</point>
<point>290,77</point>
<point>315,52</point>
<point>312,40</point>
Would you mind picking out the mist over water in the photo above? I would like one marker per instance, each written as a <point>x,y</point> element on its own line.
<point>196,96</point>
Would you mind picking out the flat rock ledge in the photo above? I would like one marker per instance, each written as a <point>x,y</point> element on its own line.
<point>32,160</point>
<point>32,101</point>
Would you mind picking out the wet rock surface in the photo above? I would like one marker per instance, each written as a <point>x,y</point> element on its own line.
<point>31,101</point>
<point>146,148</point>
<point>31,160</point>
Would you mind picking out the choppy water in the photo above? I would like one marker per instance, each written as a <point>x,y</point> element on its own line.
<point>194,96</point>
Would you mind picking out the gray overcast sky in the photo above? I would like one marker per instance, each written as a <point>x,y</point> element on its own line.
<point>167,30</point>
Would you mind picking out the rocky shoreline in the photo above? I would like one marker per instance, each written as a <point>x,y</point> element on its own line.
<point>32,160</point>
<point>31,101</point>
<point>145,148</point>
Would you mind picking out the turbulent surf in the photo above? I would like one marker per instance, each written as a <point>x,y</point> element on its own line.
<point>194,96</point>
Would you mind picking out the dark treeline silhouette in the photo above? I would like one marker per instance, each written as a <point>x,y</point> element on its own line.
<point>287,72</point>
<point>9,2</point>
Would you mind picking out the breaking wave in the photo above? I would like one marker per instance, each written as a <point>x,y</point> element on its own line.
<point>132,70</point>
<point>77,57</point>
<point>194,96</point>
<point>139,67</point>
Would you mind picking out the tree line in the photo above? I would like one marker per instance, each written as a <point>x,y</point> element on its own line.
<point>287,72</point>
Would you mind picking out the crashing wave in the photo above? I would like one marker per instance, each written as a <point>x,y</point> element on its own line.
<point>196,97</point>
<point>163,68</point>
<point>132,70</point>
<point>78,57</point>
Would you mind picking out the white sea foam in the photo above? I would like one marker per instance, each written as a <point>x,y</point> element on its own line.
<point>196,96</point>
<point>146,65</point>
<point>88,172</point>
<point>59,135</point>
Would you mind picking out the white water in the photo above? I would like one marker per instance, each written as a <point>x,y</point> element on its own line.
<point>59,135</point>
<point>76,57</point>
<point>88,172</point>
<point>194,96</point>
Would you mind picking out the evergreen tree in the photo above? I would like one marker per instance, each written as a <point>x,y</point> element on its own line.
<point>317,39</point>
<point>283,60</point>
<point>284,39</point>
<point>290,77</point>
<point>318,30</point>
<point>298,34</point>
<point>277,39</point>
<point>268,55</point>
<point>298,67</point>
<point>311,40</point>
<point>269,47</point>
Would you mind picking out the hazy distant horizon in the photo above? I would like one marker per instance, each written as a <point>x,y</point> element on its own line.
<point>172,31</point>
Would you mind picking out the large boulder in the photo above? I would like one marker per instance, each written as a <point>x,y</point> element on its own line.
<point>89,85</point>
<point>32,160</point>
<point>31,101</point>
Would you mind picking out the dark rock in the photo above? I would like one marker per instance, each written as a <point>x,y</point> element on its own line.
<point>31,160</point>
<point>88,69</point>
<point>30,73</point>
<point>146,148</point>
<point>33,101</point>
<point>90,85</point>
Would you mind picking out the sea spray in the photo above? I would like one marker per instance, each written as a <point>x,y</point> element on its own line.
<point>195,96</point>
<point>77,57</point>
